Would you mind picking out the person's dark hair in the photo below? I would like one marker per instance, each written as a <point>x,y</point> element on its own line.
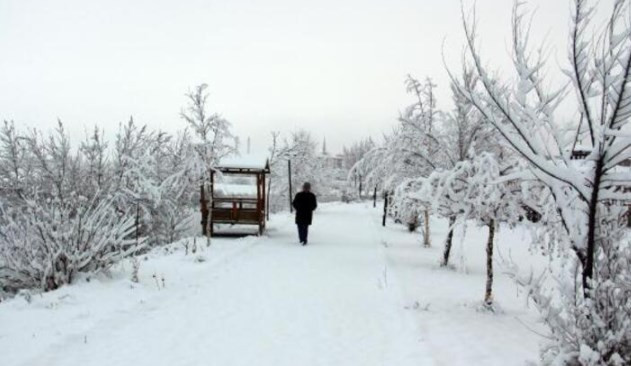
<point>306,186</point>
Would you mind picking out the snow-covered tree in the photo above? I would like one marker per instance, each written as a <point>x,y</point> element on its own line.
<point>212,133</point>
<point>409,152</point>
<point>358,172</point>
<point>55,228</point>
<point>462,134</point>
<point>212,142</point>
<point>356,151</point>
<point>300,148</point>
<point>95,154</point>
<point>66,211</point>
<point>54,161</point>
<point>588,313</point>
<point>414,150</point>
<point>484,188</point>
<point>16,163</point>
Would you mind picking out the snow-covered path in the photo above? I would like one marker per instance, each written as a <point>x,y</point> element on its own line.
<point>264,301</point>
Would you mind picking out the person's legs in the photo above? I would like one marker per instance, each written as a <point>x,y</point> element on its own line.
<point>306,234</point>
<point>301,233</point>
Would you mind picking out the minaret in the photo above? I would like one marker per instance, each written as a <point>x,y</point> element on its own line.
<point>249,145</point>
<point>324,152</point>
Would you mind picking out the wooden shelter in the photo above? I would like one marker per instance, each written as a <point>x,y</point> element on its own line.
<point>237,194</point>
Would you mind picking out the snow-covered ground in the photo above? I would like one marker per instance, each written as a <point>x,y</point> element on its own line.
<point>358,294</point>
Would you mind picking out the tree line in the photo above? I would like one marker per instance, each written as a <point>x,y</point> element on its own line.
<point>68,209</point>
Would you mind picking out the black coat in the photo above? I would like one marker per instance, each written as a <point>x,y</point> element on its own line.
<point>304,203</point>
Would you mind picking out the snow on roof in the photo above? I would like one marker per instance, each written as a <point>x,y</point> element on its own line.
<point>251,161</point>
<point>235,190</point>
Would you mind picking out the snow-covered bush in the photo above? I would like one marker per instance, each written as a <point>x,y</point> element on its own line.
<point>405,209</point>
<point>66,210</point>
<point>46,243</point>
<point>154,175</point>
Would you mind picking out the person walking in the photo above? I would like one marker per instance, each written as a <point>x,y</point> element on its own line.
<point>305,203</point>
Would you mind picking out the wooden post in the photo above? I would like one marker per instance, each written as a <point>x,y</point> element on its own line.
<point>385,209</point>
<point>258,195</point>
<point>291,207</point>
<point>204,210</point>
<point>267,198</point>
<point>374,198</point>
<point>211,199</point>
<point>261,199</point>
<point>263,191</point>
<point>259,203</point>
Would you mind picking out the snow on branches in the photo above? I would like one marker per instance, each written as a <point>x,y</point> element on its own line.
<point>65,211</point>
<point>589,196</point>
<point>46,244</point>
<point>484,189</point>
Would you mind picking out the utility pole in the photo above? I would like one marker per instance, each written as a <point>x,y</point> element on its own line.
<point>291,208</point>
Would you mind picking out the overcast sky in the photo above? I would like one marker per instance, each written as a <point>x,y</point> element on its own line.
<point>333,67</point>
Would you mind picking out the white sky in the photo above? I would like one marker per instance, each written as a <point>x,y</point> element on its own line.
<point>335,68</point>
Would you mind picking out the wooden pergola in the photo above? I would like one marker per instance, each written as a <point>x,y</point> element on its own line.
<point>236,204</point>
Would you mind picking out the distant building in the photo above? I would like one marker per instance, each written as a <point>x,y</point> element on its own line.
<point>331,162</point>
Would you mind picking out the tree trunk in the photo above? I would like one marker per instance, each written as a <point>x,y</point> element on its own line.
<point>426,241</point>
<point>450,236</point>
<point>488,295</point>
<point>374,198</point>
<point>588,262</point>
<point>210,229</point>
<point>267,199</point>
<point>385,209</point>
